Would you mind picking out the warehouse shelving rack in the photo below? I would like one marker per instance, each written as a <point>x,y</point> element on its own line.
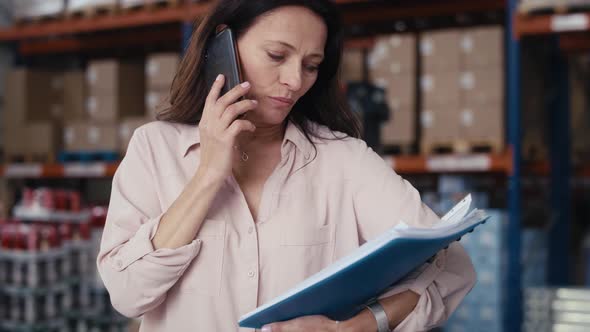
<point>175,24</point>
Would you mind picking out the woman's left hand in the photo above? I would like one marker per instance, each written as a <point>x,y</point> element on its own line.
<point>304,324</point>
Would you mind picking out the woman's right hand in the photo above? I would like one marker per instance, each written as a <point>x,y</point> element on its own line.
<point>219,128</point>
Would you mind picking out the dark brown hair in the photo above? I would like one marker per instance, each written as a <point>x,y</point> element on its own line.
<point>323,103</point>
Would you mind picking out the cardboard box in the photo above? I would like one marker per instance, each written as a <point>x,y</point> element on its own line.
<point>111,108</point>
<point>127,128</point>
<point>74,96</point>
<point>33,95</point>
<point>46,139</point>
<point>86,136</point>
<point>394,54</point>
<point>482,86</point>
<point>482,47</point>
<point>483,124</point>
<point>14,141</point>
<point>160,70</point>
<point>440,51</point>
<point>400,128</point>
<point>440,90</point>
<point>38,8</point>
<point>400,89</point>
<point>114,77</point>
<point>352,67</point>
<point>156,101</point>
<point>79,5</point>
<point>439,125</point>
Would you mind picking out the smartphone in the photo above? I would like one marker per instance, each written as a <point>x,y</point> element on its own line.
<point>221,57</point>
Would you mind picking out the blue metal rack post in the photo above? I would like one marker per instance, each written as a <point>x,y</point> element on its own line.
<point>187,31</point>
<point>513,305</point>
<point>559,118</point>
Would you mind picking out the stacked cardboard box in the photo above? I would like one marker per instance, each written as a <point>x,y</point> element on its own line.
<point>482,87</point>
<point>74,6</point>
<point>160,70</point>
<point>115,90</point>
<point>439,87</point>
<point>31,9</point>
<point>392,66</point>
<point>462,88</point>
<point>33,112</point>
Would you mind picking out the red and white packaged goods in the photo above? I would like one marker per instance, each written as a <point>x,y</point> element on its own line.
<point>48,278</point>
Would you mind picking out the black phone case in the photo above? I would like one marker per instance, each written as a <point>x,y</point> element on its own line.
<point>222,57</point>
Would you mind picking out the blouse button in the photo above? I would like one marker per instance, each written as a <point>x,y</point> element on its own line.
<point>250,230</point>
<point>251,274</point>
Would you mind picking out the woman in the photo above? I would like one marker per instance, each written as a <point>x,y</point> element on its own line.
<point>213,213</point>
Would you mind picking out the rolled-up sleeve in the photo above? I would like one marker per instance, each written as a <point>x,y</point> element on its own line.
<point>137,276</point>
<point>383,199</point>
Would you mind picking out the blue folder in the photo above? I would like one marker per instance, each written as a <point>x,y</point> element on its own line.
<point>342,289</point>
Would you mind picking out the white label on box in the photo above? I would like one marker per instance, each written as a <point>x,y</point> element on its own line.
<point>467,81</point>
<point>467,44</point>
<point>395,41</point>
<point>69,136</point>
<point>93,135</point>
<point>427,83</point>
<point>427,119</point>
<point>23,170</point>
<point>455,163</point>
<point>377,54</point>
<point>152,68</point>
<point>381,82</point>
<point>91,105</point>
<point>572,22</point>
<point>395,68</point>
<point>152,100</point>
<point>84,170</point>
<point>426,47</point>
<point>467,118</point>
<point>124,131</point>
<point>91,76</point>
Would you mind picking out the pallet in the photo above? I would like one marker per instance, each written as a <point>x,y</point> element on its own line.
<point>150,5</point>
<point>44,158</point>
<point>88,156</point>
<point>399,149</point>
<point>93,11</point>
<point>461,147</point>
<point>38,19</point>
<point>540,7</point>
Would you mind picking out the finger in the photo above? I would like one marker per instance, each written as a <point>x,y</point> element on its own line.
<point>274,327</point>
<point>234,94</point>
<point>239,126</point>
<point>215,90</point>
<point>235,110</point>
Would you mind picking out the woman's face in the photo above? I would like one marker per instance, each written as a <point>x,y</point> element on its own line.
<point>280,55</point>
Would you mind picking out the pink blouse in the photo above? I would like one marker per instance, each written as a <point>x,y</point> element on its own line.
<point>318,205</point>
